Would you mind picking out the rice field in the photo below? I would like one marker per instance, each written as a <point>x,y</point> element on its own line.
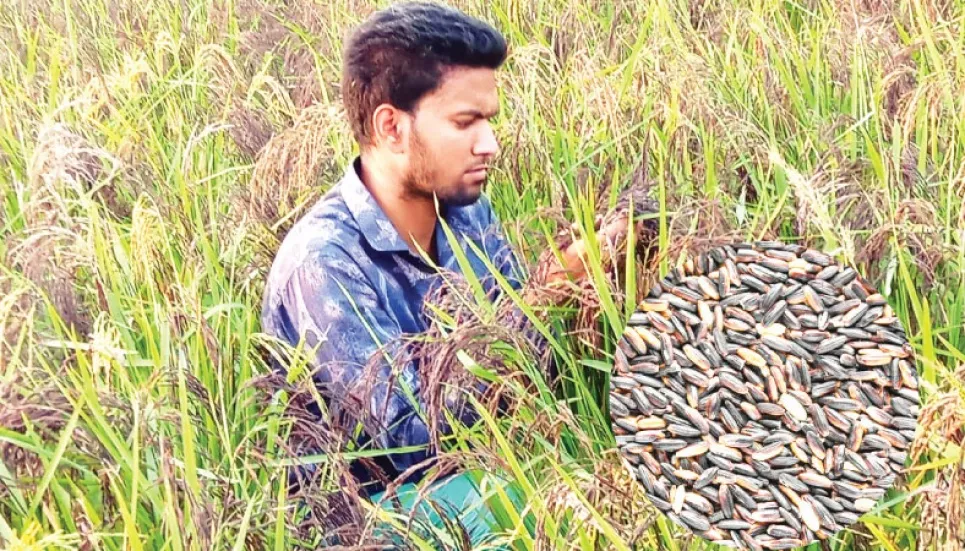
<point>154,154</point>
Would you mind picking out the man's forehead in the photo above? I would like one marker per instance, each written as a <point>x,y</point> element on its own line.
<point>467,91</point>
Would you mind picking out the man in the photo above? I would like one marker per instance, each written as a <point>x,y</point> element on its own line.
<point>419,88</point>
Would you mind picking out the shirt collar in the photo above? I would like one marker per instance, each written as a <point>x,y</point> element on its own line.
<point>375,226</point>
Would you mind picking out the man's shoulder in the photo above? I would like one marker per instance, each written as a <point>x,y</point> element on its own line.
<point>326,221</point>
<point>327,233</point>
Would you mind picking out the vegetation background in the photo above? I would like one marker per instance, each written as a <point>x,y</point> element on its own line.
<point>153,153</point>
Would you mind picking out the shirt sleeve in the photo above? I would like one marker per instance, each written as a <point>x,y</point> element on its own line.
<point>332,303</point>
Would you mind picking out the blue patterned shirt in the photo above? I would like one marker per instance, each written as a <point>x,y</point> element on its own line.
<point>346,241</point>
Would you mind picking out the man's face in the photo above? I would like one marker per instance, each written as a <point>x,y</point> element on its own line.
<point>451,143</point>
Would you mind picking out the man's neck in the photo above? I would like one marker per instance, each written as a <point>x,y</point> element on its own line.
<point>413,217</point>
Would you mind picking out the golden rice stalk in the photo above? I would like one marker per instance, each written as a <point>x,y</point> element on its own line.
<point>941,429</point>
<point>16,323</point>
<point>32,538</point>
<point>293,163</point>
<point>813,209</point>
<point>63,172</point>
<point>250,130</point>
<point>612,492</point>
<point>148,239</point>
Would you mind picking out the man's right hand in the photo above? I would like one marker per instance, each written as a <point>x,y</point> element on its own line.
<point>574,256</point>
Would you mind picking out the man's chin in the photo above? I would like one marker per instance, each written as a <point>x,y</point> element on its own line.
<point>465,198</point>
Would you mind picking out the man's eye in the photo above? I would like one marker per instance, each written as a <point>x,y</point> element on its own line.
<point>464,124</point>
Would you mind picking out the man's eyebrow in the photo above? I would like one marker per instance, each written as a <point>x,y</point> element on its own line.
<point>477,113</point>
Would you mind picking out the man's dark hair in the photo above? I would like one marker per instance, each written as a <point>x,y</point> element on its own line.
<point>401,53</point>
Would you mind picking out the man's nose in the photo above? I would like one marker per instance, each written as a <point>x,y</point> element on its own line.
<point>486,145</point>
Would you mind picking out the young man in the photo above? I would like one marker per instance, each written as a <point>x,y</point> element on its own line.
<point>419,88</point>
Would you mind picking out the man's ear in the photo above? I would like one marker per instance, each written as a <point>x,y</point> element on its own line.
<point>391,126</point>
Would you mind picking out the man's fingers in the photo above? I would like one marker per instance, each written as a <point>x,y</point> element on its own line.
<point>616,229</point>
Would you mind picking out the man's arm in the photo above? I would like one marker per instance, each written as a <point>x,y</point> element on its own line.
<point>534,290</point>
<point>551,284</point>
<point>331,301</point>
<point>571,267</point>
